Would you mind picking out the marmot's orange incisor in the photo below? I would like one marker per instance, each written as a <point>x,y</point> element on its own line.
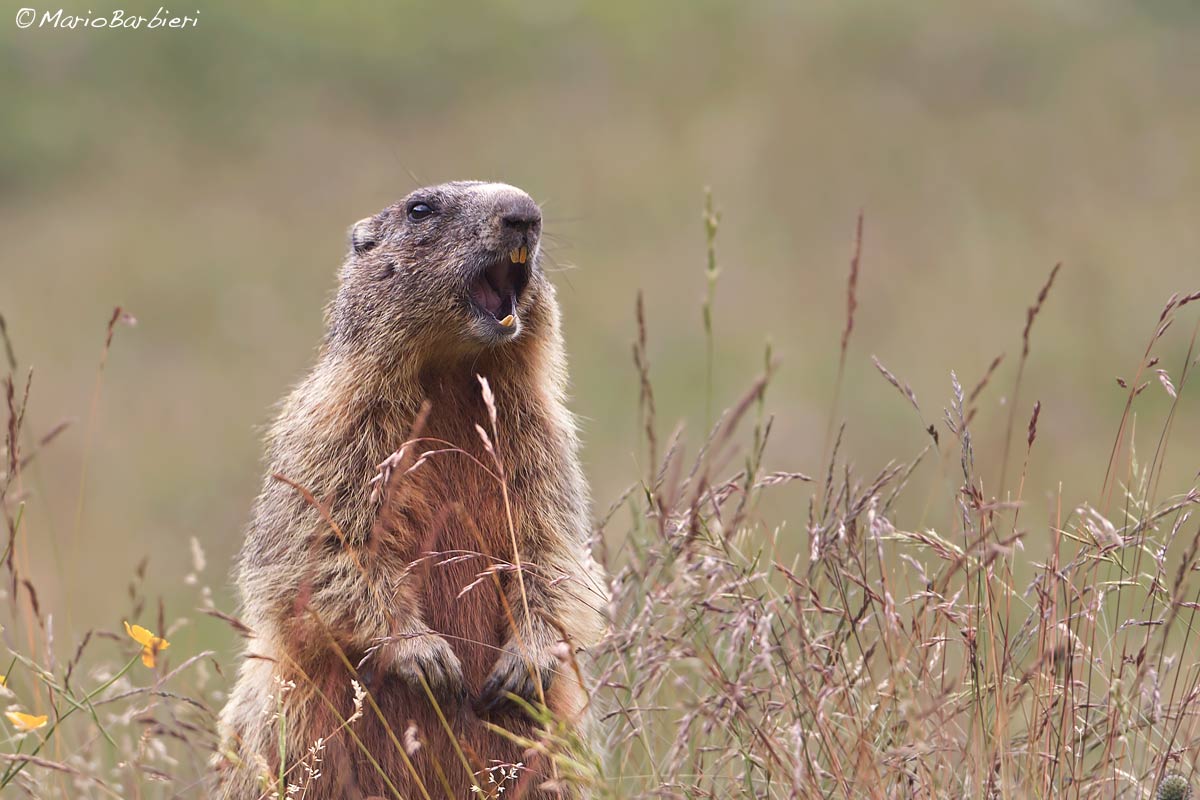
<point>406,571</point>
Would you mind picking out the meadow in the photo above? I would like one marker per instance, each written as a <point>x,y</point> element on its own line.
<point>893,505</point>
<point>861,652</point>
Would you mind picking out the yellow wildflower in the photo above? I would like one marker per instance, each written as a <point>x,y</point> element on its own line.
<point>26,722</point>
<point>151,644</point>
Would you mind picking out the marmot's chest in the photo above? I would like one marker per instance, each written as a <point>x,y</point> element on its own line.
<point>466,509</point>
<point>463,546</point>
<point>475,495</point>
<point>451,514</point>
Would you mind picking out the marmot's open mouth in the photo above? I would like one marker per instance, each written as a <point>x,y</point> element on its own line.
<point>497,289</point>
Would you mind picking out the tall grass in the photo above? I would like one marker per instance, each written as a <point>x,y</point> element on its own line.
<point>868,656</point>
<point>999,653</point>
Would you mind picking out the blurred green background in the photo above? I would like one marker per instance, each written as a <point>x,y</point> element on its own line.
<point>204,179</point>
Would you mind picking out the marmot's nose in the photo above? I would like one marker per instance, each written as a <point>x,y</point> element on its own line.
<point>519,212</point>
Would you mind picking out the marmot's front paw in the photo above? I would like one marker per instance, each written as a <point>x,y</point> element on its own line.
<point>427,656</point>
<point>515,673</point>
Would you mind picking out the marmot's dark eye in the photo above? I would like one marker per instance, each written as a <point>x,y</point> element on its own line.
<point>419,211</point>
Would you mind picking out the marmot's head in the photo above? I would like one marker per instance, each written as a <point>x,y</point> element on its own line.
<point>450,268</point>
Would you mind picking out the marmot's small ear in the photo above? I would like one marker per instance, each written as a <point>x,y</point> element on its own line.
<point>363,235</point>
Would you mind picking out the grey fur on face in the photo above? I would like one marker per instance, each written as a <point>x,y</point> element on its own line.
<point>453,265</point>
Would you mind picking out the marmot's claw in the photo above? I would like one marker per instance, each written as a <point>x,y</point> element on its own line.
<point>430,657</point>
<point>514,674</point>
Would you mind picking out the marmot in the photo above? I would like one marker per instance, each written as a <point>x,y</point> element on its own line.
<point>401,564</point>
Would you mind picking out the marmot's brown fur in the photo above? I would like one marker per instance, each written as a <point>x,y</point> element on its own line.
<point>413,577</point>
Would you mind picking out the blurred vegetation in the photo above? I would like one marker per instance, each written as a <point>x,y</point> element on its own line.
<point>204,179</point>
